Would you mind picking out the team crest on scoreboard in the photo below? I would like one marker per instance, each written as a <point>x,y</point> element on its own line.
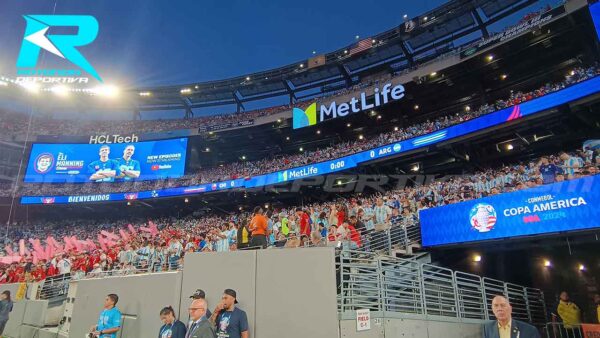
<point>483,217</point>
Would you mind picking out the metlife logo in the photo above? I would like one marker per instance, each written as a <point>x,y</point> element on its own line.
<point>310,116</point>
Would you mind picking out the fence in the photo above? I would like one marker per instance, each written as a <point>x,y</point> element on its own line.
<point>559,330</point>
<point>385,283</point>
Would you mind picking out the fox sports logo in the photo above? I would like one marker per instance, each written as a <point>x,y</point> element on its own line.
<point>482,217</point>
<point>43,163</point>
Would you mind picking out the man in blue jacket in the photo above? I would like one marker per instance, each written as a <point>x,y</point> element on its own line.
<point>504,326</point>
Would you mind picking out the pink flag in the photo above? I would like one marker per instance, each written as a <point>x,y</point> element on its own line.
<point>9,250</point>
<point>22,247</point>
<point>131,229</point>
<point>101,241</point>
<point>124,235</point>
<point>110,235</point>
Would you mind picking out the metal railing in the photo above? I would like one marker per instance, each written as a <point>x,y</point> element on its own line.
<point>559,330</point>
<point>389,284</point>
<point>399,237</point>
<point>54,287</point>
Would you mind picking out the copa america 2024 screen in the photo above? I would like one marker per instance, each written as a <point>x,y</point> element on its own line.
<point>81,163</point>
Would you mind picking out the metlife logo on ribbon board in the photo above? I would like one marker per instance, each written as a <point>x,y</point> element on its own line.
<point>311,116</point>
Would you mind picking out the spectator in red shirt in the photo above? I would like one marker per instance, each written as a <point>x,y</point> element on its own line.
<point>304,222</point>
<point>352,236</point>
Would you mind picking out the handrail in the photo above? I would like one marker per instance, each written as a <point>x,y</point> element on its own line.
<point>409,287</point>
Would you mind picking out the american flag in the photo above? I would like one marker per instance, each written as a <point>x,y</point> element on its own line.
<point>361,46</point>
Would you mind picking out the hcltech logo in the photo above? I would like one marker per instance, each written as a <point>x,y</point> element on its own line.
<point>305,118</point>
<point>308,117</point>
<point>36,38</point>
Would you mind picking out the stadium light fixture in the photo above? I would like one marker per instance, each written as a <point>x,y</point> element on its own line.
<point>186,200</point>
<point>415,167</point>
<point>395,128</point>
<point>339,182</point>
<point>247,78</point>
<point>287,138</point>
<point>318,132</point>
<point>345,51</point>
<point>467,108</point>
<point>31,87</point>
<point>379,117</point>
<point>357,37</point>
<point>207,149</point>
<point>60,90</point>
<point>572,73</point>
<point>314,52</point>
<point>266,206</point>
<point>581,267</point>
<point>503,77</point>
<point>348,125</point>
<point>373,41</point>
<point>185,91</point>
<point>278,120</point>
<point>301,65</point>
<point>106,91</point>
<point>416,107</point>
<point>360,137</point>
<point>489,58</point>
<point>477,258</point>
<point>128,203</point>
<point>509,147</point>
<point>145,94</point>
<point>243,157</point>
<point>405,16</point>
<point>301,149</point>
<point>425,18</point>
<point>547,263</point>
<point>196,87</point>
<point>240,208</point>
<point>433,74</point>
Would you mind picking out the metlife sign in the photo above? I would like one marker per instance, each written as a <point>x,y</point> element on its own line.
<point>311,115</point>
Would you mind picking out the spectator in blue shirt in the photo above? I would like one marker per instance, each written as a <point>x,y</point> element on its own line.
<point>548,171</point>
<point>109,322</point>
<point>230,321</point>
<point>172,327</point>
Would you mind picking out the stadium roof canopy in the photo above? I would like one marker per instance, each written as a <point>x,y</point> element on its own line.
<point>419,39</point>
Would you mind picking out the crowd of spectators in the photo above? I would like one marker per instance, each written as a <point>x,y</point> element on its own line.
<point>352,222</point>
<point>277,162</point>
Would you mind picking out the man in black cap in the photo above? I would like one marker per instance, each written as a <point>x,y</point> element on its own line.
<point>230,322</point>
<point>199,294</point>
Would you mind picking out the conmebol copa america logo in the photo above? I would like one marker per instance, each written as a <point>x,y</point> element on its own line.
<point>482,217</point>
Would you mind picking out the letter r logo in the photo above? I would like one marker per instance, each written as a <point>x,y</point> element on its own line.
<point>36,37</point>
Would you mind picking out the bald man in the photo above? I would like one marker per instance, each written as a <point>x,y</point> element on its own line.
<point>200,326</point>
<point>504,326</point>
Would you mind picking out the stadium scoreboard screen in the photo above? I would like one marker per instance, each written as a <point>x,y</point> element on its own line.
<point>554,208</point>
<point>122,162</point>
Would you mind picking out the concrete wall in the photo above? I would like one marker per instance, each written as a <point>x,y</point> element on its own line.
<point>296,294</point>
<point>216,271</point>
<point>141,298</point>
<point>411,328</point>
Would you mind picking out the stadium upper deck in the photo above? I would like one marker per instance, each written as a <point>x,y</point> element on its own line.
<point>429,43</point>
